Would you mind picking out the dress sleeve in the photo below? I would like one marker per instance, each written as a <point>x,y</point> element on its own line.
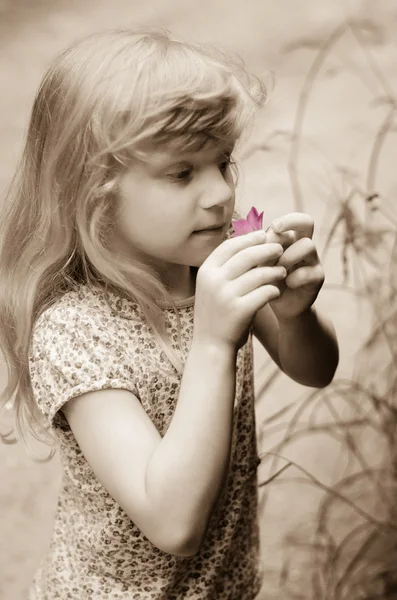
<point>72,353</point>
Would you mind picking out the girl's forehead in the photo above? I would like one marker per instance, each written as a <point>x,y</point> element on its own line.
<point>162,158</point>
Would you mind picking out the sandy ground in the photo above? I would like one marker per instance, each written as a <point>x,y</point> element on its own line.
<point>344,112</point>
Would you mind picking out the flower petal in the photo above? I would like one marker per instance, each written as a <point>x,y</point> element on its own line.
<point>254,218</point>
<point>251,223</point>
<point>241,227</point>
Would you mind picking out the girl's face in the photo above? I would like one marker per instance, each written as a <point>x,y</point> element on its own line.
<point>163,201</point>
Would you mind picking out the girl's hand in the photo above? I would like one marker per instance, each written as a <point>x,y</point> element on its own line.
<point>232,284</point>
<point>305,275</point>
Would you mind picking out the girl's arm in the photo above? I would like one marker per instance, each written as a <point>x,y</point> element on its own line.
<point>304,347</point>
<point>168,486</point>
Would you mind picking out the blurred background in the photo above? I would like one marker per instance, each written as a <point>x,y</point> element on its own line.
<point>325,144</point>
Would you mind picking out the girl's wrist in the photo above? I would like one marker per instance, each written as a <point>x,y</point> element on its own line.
<point>307,314</point>
<point>213,348</point>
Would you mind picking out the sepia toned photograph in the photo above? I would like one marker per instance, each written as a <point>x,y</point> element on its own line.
<point>198,300</point>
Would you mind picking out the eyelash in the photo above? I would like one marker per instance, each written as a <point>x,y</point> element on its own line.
<point>178,179</point>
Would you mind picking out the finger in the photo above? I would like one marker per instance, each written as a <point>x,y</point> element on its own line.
<point>300,222</point>
<point>286,238</point>
<point>232,246</point>
<point>259,297</point>
<point>304,250</point>
<point>256,277</point>
<point>249,258</point>
<point>306,276</point>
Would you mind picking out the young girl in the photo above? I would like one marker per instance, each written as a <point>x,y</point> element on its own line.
<point>127,311</point>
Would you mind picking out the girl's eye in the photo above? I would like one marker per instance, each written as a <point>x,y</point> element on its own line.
<point>182,175</point>
<point>186,174</point>
<point>226,164</point>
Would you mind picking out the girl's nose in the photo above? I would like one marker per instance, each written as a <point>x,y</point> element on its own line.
<point>219,188</point>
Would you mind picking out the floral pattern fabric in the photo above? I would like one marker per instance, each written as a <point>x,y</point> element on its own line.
<point>88,341</point>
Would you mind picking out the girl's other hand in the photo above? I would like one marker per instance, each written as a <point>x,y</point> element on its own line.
<point>305,274</point>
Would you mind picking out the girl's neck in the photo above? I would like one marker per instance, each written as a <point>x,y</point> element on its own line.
<point>190,289</point>
<point>183,296</point>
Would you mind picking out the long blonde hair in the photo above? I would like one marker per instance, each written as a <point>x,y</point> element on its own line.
<point>97,105</point>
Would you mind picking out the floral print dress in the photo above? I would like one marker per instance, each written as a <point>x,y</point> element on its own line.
<point>88,341</point>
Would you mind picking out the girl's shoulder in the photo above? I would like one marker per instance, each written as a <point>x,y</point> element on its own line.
<point>77,346</point>
<point>83,303</point>
<point>78,316</point>
<point>89,317</point>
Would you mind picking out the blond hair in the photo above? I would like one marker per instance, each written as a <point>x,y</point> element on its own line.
<point>102,99</point>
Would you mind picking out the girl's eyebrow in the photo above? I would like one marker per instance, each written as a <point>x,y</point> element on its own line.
<point>181,159</point>
<point>167,163</point>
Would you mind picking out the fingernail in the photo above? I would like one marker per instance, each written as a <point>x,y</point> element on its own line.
<point>283,272</point>
<point>277,226</point>
<point>278,249</point>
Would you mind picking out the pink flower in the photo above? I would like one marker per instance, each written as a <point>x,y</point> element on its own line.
<point>251,223</point>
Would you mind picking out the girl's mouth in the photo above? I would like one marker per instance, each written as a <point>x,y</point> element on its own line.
<point>209,231</point>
